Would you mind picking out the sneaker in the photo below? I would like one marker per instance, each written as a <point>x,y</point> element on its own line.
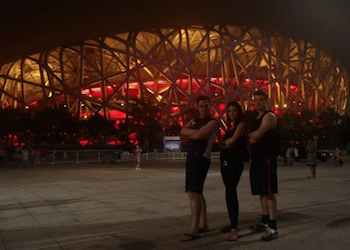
<point>258,227</point>
<point>270,234</point>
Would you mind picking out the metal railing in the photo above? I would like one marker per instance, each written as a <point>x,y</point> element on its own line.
<point>105,155</point>
<point>77,156</point>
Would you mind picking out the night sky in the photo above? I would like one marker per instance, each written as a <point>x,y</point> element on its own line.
<point>31,26</point>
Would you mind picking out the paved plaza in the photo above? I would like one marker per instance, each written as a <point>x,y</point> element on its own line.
<point>112,206</point>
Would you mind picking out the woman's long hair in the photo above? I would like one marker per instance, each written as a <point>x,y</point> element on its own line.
<point>240,113</point>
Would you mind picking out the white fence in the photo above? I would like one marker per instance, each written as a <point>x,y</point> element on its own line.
<point>95,155</point>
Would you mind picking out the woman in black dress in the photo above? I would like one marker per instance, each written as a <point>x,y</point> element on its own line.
<point>233,149</point>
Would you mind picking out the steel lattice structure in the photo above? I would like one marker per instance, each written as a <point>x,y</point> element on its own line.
<point>174,66</point>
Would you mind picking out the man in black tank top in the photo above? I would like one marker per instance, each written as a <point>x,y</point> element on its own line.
<point>201,133</point>
<point>263,170</point>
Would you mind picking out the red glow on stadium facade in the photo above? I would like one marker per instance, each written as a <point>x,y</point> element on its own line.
<point>151,85</point>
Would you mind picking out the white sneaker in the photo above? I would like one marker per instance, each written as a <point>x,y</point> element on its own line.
<point>258,227</point>
<point>270,234</point>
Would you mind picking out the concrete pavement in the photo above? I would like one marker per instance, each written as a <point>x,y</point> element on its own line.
<point>112,206</point>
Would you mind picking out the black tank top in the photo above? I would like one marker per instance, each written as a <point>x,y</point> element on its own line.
<point>202,145</point>
<point>235,152</point>
<point>267,146</point>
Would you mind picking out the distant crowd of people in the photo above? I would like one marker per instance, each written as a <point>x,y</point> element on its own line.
<point>29,155</point>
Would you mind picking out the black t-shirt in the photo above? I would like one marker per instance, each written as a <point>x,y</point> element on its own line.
<point>267,146</point>
<point>202,145</point>
<point>237,149</point>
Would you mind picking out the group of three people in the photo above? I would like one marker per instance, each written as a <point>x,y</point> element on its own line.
<point>201,133</point>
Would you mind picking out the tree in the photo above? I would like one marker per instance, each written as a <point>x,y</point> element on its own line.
<point>305,125</point>
<point>15,122</point>
<point>146,122</point>
<point>344,130</point>
<point>287,124</point>
<point>123,133</point>
<point>174,129</point>
<point>296,126</point>
<point>98,127</point>
<point>330,121</point>
<point>54,124</point>
<point>187,115</point>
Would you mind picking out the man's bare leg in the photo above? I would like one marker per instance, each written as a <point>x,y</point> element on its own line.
<point>272,206</point>
<point>264,206</point>
<point>203,223</point>
<point>195,204</point>
<point>271,232</point>
<point>262,225</point>
<point>269,205</point>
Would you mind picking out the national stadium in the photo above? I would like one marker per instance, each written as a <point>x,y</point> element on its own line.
<point>173,66</point>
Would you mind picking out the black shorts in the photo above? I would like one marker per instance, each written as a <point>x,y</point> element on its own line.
<point>196,171</point>
<point>263,176</point>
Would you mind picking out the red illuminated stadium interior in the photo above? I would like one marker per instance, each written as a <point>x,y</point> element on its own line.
<point>95,92</point>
